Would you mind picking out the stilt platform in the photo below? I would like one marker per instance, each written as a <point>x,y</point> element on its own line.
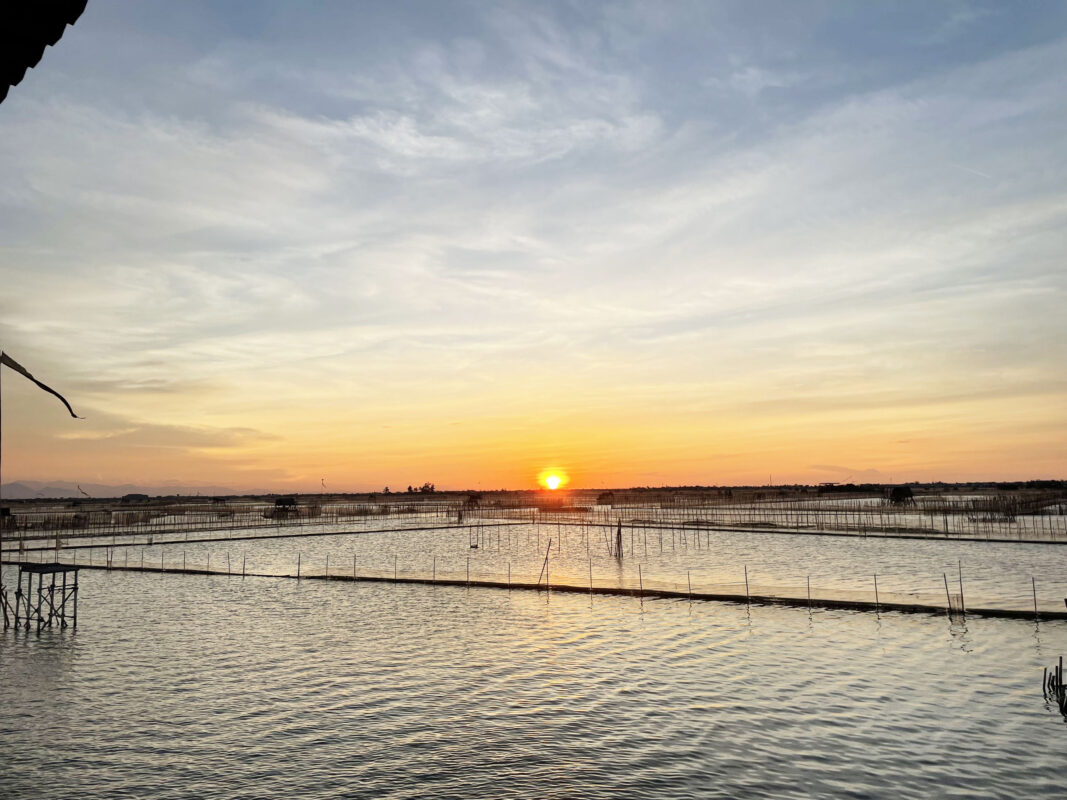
<point>53,602</point>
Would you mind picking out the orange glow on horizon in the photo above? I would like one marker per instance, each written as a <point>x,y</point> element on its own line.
<point>552,479</point>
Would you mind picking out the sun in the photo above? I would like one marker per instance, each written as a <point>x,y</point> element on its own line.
<point>552,479</point>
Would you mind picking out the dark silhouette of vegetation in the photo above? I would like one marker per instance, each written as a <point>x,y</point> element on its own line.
<point>901,495</point>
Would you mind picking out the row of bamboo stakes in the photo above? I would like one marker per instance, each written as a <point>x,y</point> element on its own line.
<point>1053,687</point>
<point>477,537</point>
<point>932,517</point>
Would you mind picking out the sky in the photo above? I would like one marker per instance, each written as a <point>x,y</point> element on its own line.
<point>262,244</point>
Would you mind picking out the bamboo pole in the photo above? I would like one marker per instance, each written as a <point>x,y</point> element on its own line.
<point>963,603</point>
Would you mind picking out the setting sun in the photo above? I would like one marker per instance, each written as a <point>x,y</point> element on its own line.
<point>552,479</point>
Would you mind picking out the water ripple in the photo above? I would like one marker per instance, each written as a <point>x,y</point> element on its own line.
<point>182,687</point>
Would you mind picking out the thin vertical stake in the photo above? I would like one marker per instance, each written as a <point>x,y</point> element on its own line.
<point>963,603</point>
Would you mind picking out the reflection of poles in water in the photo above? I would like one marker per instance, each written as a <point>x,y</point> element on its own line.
<point>618,541</point>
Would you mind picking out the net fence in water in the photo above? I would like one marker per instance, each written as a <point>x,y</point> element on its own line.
<point>636,582</point>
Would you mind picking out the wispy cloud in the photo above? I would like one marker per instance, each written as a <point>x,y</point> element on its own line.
<point>657,211</point>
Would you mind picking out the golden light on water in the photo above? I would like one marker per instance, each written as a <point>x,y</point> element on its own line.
<point>552,479</point>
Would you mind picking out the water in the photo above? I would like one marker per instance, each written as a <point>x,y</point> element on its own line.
<point>995,574</point>
<point>208,686</point>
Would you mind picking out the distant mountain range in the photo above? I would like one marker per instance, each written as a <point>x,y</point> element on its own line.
<point>30,490</point>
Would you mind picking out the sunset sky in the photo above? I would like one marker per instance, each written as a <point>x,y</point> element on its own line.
<point>258,244</point>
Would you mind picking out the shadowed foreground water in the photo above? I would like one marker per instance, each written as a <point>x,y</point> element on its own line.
<point>190,686</point>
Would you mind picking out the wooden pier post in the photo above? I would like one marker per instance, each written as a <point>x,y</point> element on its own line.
<point>40,602</point>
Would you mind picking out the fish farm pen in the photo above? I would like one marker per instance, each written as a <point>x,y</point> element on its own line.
<point>1038,516</point>
<point>638,584</point>
<point>700,545</point>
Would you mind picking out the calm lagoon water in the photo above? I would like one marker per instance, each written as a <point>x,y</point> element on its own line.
<point>997,574</point>
<point>208,686</point>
